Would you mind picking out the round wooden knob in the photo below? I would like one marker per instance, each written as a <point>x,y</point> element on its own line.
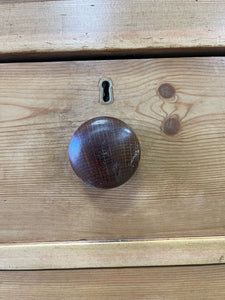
<point>104,152</point>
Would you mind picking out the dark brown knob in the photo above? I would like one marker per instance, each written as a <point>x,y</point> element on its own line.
<point>104,152</point>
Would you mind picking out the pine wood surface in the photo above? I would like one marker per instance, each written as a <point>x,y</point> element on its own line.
<point>178,189</point>
<point>170,283</point>
<point>70,255</point>
<point>53,28</point>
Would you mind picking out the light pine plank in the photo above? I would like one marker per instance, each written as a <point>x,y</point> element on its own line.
<point>170,283</point>
<point>45,28</point>
<point>178,189</point>
<point>70,255</point>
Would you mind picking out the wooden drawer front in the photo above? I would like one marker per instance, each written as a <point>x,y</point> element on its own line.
<point>178,189</point>
<point>171,283</point>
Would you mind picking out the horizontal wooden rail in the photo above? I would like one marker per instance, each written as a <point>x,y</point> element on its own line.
<point>158,252</point>
<point>68,28</point>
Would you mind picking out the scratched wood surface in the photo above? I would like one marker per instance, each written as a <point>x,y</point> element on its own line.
<point>83,27</point>
<point>170,283</point>
<point>178,189</point>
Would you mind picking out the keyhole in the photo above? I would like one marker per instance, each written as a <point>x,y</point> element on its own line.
<point>106,95</point>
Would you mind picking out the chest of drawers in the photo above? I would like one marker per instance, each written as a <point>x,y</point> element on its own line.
<point>62,239</point>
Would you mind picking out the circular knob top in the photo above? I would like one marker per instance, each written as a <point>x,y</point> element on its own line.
<point>104,152</point>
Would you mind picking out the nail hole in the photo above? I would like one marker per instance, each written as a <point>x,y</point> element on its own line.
<point>106,94</point>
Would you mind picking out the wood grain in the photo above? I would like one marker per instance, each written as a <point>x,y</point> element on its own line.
<point>178,189</point>
<point>70,255</point>
<point>77,27</point>
<point>170,283</point>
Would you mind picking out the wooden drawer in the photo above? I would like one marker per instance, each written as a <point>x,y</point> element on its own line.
<point>177,190</point>
<point>171,283</point>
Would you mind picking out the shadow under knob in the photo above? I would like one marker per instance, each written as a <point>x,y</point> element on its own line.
<point>104,152</point>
